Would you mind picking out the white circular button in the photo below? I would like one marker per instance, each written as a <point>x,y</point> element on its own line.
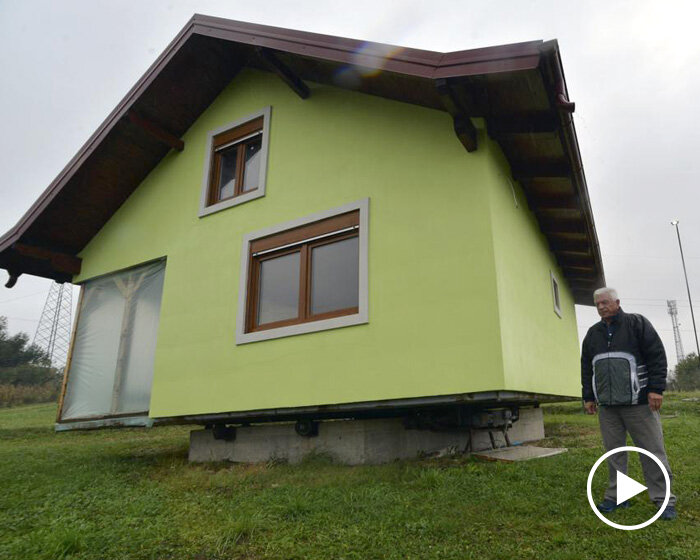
<point>648,521</point>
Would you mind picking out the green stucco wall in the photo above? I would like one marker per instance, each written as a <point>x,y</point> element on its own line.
<point>434,314</point>
<point>540,348</point>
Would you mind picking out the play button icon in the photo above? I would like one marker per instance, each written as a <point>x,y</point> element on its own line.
<point>627,487</point>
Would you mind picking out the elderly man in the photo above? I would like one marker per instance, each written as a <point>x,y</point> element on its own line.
<point>623,376</point>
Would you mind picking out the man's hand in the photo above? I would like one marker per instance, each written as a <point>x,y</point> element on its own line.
<point>591,407</point>
<point>655,401</point>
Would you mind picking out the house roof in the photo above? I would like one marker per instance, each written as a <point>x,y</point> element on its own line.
<point>518,89</point>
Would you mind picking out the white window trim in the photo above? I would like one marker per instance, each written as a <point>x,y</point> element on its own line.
<point>552,281</point>
<point>361,317</point>
<point>204,209</point>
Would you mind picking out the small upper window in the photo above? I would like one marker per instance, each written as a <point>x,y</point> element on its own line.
<point>236,163</point>
<point>555,295</point>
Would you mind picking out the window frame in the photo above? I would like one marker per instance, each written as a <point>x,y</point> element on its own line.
<point>556,293</point>
<point>301,233</point>
<point>229,137</point>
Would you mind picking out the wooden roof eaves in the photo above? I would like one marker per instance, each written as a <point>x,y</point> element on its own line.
<point>391,58</point>
<point>412,62</point>
<point>416,62</point>
<point>305,43</point>
<point>553,63</point>
<point>14,234</point>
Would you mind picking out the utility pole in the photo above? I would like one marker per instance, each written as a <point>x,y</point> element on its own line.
<point>687,286</point>
<point>673,312</point>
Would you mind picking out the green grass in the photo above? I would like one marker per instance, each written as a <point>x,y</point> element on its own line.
<point>130,493</point>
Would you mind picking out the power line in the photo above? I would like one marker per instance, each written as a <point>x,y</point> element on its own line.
<point>629,298</point>
<point>650,299</point>
<point>655,328</point>
<point>21,297</point>
<point>642,304</point>
<point>647,257</point>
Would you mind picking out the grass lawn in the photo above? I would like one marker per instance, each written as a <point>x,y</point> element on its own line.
<point>130,493</point>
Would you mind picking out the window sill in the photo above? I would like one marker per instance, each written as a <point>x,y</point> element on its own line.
<point>230,202</point>
<point>302,328</point>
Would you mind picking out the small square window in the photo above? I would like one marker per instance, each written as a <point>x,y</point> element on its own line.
<point>305,276</point>
<point>236,163</point>
<point>555,294</point>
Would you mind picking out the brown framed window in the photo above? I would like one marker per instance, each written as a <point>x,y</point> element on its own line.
<point>305,274</point>
<point>236,163</point>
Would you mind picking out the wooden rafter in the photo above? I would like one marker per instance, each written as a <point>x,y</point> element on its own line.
<point>61,262</point>
<point>579,270</point>
<point>578,261</point>
<point>465,130</point>
<point>544,169</point>
<point>574,246</point>
<point>583,282</point>
<point>523,124</point>
<point>553,227</point>
<point>542,202</point>
<point>12,277</point>
<point>558,213</point>
<point>156,131</point>
<point>284,72</point>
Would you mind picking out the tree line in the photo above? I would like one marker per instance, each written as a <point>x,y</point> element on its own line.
<point>26,374</point>
<point>686,376</point>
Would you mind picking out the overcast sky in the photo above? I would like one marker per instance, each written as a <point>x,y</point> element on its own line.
<point>631,68</point>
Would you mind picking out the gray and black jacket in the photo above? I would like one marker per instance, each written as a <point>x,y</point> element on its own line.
<point>622,362</point>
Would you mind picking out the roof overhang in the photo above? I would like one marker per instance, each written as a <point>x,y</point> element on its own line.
<point>519,90</point>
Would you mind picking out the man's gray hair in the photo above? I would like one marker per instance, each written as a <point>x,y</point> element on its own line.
<point>612,292</point>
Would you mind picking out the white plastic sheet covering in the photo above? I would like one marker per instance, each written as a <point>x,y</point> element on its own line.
<point>111,368</point>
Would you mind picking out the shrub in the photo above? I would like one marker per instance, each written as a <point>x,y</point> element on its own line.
<point>13,395</point>
<point>687,374</point>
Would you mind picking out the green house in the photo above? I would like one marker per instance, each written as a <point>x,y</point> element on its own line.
<point>276,224</point>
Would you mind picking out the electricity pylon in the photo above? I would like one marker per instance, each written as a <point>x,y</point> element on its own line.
<point>53,332</point>
<point>673,312</point>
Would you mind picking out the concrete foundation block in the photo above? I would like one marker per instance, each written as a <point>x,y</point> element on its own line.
<point>354,442</point>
